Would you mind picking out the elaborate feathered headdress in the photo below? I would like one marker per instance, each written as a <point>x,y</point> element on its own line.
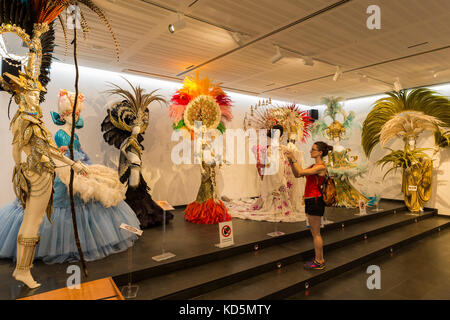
<point>406,113</point>
<point>290,117</point>
<point>65,108</point>
<point>131,112</point>
<point>336,129</point>
<point>32,21</point>
<point>200,100</point>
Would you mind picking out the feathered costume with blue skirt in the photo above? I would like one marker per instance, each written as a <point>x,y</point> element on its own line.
<point>98,225</point>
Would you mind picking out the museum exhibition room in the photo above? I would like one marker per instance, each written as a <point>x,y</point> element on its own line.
<point>216,151</point>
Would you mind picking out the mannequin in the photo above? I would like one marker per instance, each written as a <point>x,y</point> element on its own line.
<point>124,127</point>
<point>33,178</point>
<point>280,198</point>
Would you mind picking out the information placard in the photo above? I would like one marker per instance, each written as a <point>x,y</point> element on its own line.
<point>225,234</point>
<point>131,229</point>
<point>164,205</point>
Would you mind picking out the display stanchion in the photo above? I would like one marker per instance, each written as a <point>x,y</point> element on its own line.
<point>276,233</point>
<point>164,255</point>
<point>377,204</point>
<point>130,291</point>
<point>362,208</point>
<point>325,221</point>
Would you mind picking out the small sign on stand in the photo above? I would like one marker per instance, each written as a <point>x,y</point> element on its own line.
<point>362,208</point>
<point>276,233</point>
<point>225,234</point>
<point>164,255</point>
<point>130,291</point>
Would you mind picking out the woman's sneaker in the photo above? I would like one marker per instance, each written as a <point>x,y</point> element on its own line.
<point>314,265</point>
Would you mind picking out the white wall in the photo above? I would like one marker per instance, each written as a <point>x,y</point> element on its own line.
<point>176,183</point>
<point>179,183</point>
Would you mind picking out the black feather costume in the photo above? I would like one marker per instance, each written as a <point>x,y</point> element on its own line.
<point>124,115</point>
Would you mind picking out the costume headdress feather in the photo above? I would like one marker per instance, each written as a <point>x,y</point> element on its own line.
<point>200,100</point>
<point>130,112</point>
<point>423,100</point>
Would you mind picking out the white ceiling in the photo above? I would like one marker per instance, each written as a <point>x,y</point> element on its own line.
<point>337,36</point>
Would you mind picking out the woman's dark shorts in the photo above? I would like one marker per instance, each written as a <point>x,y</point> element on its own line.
<point>315,208</point>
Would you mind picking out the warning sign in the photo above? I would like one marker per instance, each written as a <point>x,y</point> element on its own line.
<point>226,231</point>
<point>226,234</point>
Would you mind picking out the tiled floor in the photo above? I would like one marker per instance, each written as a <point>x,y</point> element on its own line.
<point>420,270</point>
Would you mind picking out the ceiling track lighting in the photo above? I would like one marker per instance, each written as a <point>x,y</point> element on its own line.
<point>337,74</point>
<point>278,56</point>
<point>435,73</point>
<point>308,61</point>
<point>363,78</point>
<point>178,25</point>
<point>237,37</point>
<point>397,85</point>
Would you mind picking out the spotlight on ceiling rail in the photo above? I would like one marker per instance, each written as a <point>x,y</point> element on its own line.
<point>237,37</point>
<point>397,85</point>
<point>278,56</point>
<point>178,25</point>
<point>337,74</point>
<point>308,61</point>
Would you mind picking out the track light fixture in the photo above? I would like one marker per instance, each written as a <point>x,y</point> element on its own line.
<point>397,85</point>
<point>363,78</point>
<point>178,25</point>
<point>308,61</point>
<point>337,74</point>
<point>237,37</point>
<point>278,56</point>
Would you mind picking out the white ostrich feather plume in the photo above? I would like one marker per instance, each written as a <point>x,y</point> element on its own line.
<point>408,123</point>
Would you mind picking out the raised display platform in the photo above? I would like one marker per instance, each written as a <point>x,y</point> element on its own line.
<point>194,247</point>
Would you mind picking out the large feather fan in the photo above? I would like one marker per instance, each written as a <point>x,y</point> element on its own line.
<point>422,100</point>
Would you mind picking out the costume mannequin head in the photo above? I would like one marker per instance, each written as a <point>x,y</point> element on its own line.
<point>411,140</point>
<point>65,105</point>
<point>276,132</point>
<point>31,98</point>
<point>135,131</point>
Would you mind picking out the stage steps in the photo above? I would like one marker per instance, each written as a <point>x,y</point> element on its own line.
<point>213,254</point>
<point>293,278</point>
<point>213,278</point>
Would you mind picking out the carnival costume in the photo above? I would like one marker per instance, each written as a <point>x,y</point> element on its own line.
<point>98,202</point>
<point>200,109</point>
<point>406,115</point>
<point>341,165</point>
<point>124,127</point>
<point>32,21</point>
<point>280,198</point>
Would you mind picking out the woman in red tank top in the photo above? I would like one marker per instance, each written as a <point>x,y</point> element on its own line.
<point>314,205</point>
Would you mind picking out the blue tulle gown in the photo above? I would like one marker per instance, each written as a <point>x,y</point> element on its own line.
<point>98,226</point>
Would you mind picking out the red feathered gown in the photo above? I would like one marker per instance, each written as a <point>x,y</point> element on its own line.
<point>206,209</point>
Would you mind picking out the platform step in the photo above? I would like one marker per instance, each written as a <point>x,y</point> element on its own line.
<point>247,234</point>
<point>292,278</point>
<point>194,281</point>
